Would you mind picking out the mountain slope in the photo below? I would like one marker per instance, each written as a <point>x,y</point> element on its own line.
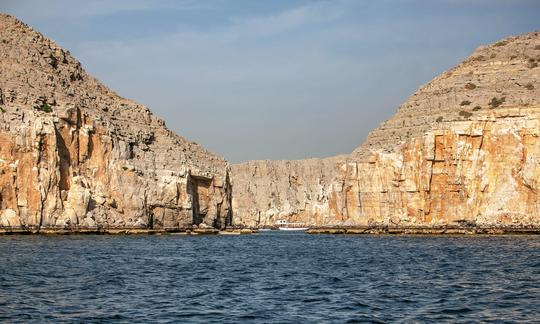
<point>462,150</point>
<point>298,190</point>
<point>494,77</point>
<point>75,154</point>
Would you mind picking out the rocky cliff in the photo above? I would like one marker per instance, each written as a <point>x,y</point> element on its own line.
<point>463,150</point>
<point>75,154</point>
<point>297,191</point>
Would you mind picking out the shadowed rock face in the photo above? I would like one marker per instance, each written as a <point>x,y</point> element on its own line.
<point>75,154</point>
<point>463,149</point>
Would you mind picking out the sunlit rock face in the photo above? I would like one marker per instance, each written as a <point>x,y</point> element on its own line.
<point>75,154</point>
<point>483,172</point>
<point>464,149</point>
<point>296,191</point>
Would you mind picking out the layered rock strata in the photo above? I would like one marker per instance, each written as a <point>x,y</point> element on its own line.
<point>74,154</point>
<point>462,150</point>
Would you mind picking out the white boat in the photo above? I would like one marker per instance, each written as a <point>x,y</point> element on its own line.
<point>283,225</point>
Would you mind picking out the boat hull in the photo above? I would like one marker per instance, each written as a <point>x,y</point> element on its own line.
<point>293,228</point>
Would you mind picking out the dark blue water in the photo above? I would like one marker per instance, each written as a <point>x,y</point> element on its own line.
<point>269,277</point>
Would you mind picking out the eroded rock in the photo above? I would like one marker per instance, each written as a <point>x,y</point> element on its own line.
<point>75,154</point>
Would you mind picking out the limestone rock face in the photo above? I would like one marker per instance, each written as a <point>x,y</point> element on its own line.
<point>479,173</point>
<point>75,154</point>
<point>267,191</point>
<point>464,149</point>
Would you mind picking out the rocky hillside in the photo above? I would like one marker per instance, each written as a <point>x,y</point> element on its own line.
<point>504,74</point>
<point>75,154</point>
<point>463,150</point>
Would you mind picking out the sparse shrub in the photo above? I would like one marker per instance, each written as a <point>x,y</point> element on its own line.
<point>45,107</point>
<point>477,108</point>
<point>470,86</point>
<point>537,47</point>
<point>465,103</point>
<point>466,223</point>
<point>493,55</point>
<point>529,86</point>
<point>465,114</point>
<point>501,43</point>
<point>2,110</point>
<point>531,64</point>
<point>439,119</point>
<point>125,168</point>
<point>496,102</point>
<point>53,61</point>
<point>478,58</point>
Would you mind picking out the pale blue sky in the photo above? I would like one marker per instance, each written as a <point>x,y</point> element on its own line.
<point>273,79</point>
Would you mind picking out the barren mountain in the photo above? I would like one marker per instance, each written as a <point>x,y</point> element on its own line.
<point>494,77</point>
<point>463,149</point>
<point>75,154</point>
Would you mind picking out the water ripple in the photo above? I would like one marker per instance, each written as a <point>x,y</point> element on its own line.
<point>269,277</point>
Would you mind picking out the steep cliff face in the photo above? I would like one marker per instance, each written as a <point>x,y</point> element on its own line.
<point>267,191</point>
<point>482,172</point>
<point>463,149</point>
<point>75,154</point>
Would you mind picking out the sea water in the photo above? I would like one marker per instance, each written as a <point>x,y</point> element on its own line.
<point>269,277</point>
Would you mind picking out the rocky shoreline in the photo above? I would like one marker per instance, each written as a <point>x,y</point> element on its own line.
<point>446,230</point>
<point>125,231</point>
<point>334,230</point>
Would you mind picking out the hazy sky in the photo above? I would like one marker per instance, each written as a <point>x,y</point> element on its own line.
<point>273,79</point>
